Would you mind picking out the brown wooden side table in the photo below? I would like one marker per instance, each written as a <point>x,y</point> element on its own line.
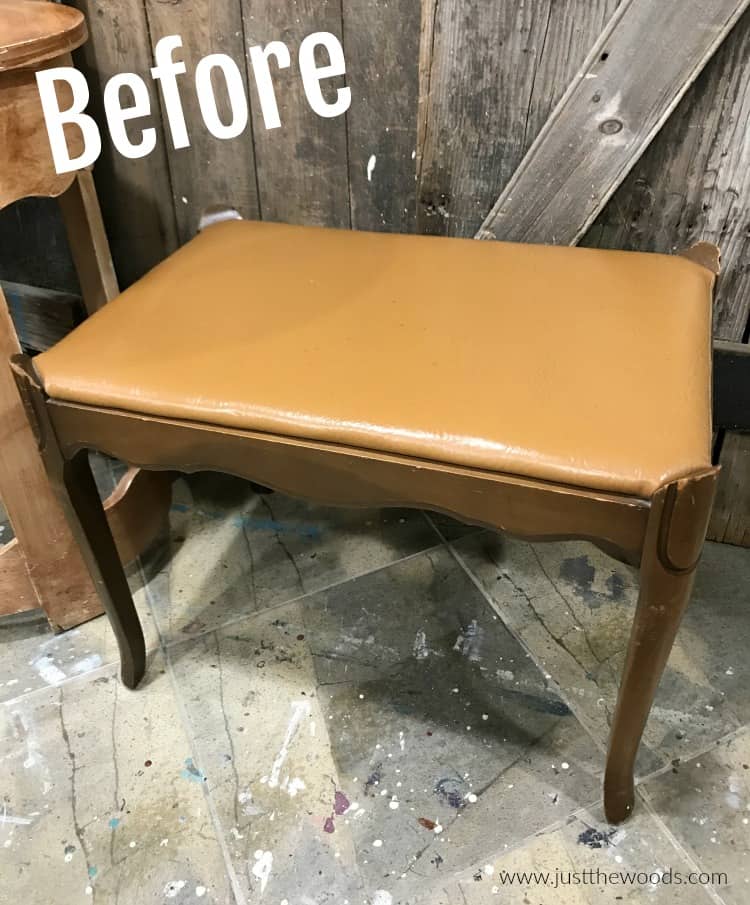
<point>42,566</point>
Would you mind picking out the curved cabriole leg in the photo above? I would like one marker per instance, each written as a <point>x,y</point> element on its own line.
<point>672,546</point>
<point>74,484</point>
<point>90,528</point>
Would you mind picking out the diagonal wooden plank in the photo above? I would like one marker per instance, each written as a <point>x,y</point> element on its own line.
<point>477,64</point>
<point>636,73</point>
<point>693,182</point>
<point>489,76</point>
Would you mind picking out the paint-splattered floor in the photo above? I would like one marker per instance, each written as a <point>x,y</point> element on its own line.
<point>371,707</point>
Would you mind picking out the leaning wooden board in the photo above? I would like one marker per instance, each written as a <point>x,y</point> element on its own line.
<point>645,59</point>
<point>490,73</point>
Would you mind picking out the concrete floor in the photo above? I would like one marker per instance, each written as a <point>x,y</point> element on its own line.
<point>370,707</point>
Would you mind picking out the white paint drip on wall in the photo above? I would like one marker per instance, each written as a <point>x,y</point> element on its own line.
<point>262,867</point>
<point>300,709</point>
<point>371,166</point>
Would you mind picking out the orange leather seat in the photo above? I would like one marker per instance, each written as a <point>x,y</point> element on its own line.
<point>574,365</point>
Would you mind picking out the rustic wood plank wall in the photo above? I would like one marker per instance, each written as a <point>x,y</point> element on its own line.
<point>381,39</point>
<point>135,195</point>
<point>209,171</point>
<point>693,183</point>
<point>311,170</point>
<point>301,166</point>
<point>495,71</point>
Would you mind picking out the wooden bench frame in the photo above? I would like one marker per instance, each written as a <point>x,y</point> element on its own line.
<point>663,535</point>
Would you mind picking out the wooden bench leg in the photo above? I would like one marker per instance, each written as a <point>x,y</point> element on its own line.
<point>88,521</point>
<point>73,481</point>
<point>674,539</point>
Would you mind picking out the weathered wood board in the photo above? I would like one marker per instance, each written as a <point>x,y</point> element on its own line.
<point>135,195</point>
<point>381,124</point>
<point>693,182</point>
<point>631,80</point>
<point>492,72</point>
<point>211,170</point>
<point>60,577</point>
<point>302,165</point>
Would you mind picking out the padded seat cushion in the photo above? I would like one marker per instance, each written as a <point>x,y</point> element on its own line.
<point>573,365</point>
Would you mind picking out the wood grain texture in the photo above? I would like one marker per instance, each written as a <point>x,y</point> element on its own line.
<point>693,182</point>
<point>382,67</point>
<point>302,166</point>
<point>574,27</point>
<point>632,79</point>
<point>28,168</point>
<point>212,170</point>
<point>31,34</point>
<point>428,17</point>
<point>489,74</point>
<point>55,567</point>
<point>17,593</point>
<point>335,474</point>
<point>135,195</point>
